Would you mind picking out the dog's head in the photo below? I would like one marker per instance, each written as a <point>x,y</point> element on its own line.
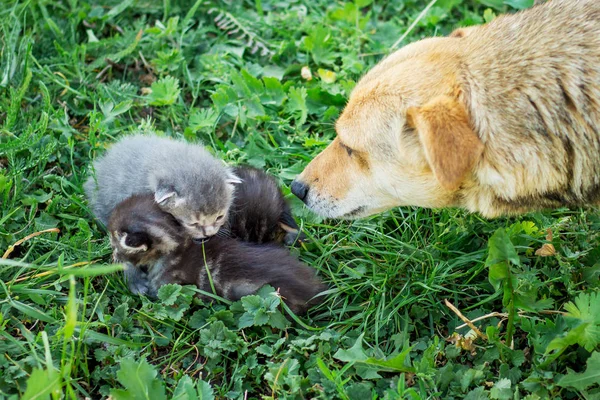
<point>404,138</point>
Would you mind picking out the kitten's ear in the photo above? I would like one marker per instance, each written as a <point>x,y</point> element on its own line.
<point>135,242</point>
<point>233,179</point>
<point>164,193</point>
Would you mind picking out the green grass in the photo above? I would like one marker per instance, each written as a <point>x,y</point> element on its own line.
<point>76,75</point>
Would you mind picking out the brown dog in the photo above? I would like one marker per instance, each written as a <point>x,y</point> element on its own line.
<point>499,119</point>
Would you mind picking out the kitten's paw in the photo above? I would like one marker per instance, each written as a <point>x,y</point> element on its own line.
<point>152,292</point>
<point>137,281</point>
<point>294,238</point>
<point>140,287</point>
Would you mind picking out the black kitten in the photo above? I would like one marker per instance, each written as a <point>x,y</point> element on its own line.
<point>259,212</point>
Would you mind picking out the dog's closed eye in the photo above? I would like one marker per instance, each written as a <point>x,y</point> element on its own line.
<point>348,149</point>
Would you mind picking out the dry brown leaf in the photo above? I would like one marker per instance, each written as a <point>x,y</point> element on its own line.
<point>464,342</point>
<point>547,249</point>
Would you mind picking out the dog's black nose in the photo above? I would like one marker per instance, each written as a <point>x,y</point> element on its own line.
<point>299,189</point>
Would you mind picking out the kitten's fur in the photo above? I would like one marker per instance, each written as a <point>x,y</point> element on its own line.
<point>186,180</point>
<point>151,242</point>
<point>259,213</point>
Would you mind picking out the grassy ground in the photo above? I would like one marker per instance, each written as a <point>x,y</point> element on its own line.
<point>76,75</point>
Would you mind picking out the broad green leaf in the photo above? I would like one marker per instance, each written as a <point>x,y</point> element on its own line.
<point>274,93</point>
<point>354,353</point>
<point>252,303</point>
<point>261,317</point>
<point>205,392</point>
<point>359,390</point>
<point>501,253</point>
<point>502,390</point>
<point>469,377</point>
<point>218,338</point>
<point>498,273</point>
<point>46,221</point>
<point>366,371</point>
<point>477,394</point>
<point>396,363</point>
<point>277,320</point>
<point>265,350</point>
<point>239,83</point>
<point>40,385</point>
<point>285,373</point>
<point>199,319</point>
<point>185,389</point>
<point>252,83</point>
<point>584,380</point>
<point>501,249</point>
<point>246,320</point>
<point>169,293</point>
<point>318,43</point>
<point>296,104</point>
<point>223,97</point>
<point>255,108</point>
<point>177,312</point>
<point>139,380</point>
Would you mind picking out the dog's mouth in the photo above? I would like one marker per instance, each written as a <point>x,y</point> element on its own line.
<point>355,213</point>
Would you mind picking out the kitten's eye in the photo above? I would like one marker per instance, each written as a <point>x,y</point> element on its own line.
<point>175,221</point>
<point>220,218</point>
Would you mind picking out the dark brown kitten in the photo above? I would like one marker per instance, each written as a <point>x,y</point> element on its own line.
<point>157,251</point>
<point>259,212</point>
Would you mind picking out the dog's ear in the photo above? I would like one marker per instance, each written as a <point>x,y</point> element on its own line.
<point>461,32</point>
<point>451,147</point>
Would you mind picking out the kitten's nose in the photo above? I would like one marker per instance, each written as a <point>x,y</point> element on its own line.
<point>299,189</point>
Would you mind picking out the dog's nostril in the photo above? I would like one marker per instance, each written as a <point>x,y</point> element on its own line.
<point>299,189</point>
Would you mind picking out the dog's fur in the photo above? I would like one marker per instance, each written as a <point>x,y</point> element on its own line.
<point>500,119</point>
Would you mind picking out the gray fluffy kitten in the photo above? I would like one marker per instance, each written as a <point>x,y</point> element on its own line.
<point>186,180</point>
